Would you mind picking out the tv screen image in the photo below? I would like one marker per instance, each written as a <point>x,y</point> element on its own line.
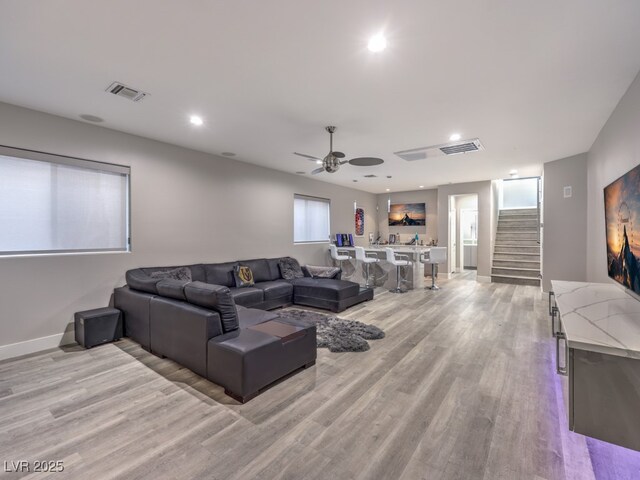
<point>407,214</point>
<point>622,217</point>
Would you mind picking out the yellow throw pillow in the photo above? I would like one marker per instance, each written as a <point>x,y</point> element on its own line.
<point>243,276</point>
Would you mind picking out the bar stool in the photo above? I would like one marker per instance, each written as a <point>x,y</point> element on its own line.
<point>364,257</point>
<point>436,255</point>
<point>335,254</point>
<point>393,260</point>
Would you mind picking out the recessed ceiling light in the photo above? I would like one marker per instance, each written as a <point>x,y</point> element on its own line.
<point>377,43</point>
<point>388,189</point>
<point>421,186</point>
<point>388,176</point>
<point>228,154</point>
<point>196,120</point>
<point>513,172</point>
<point>319,162</point>
<point>301,173</point>
<point>354,181</point>
<point>91,118</point>
<point>455,137</point>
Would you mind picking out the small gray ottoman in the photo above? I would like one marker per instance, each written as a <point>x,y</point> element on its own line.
<point>98,326</point>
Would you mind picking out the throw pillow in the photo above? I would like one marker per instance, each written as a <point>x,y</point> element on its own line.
<point>180,273</point>
<point>290,268</point>
<point>322,272</point>
<point>243,276</point>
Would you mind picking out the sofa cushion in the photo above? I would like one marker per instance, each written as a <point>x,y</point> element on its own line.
<point>252,316</point>
<point>290,268</point>
<point>172,288</point>
<point>220,273</point>
<point>215,297</point>
<point>247,296</point>
<point>274,268</point>
<point>243,276</point>
<point>275,289</point>
<point>260,269</point>
<point>179,273</point>
<point>325,288</point>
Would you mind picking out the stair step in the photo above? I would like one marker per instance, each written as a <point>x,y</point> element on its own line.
<point>516,256</point>
<point>516,263</point>
<point>518,235</point>
<point>528,246</point>
<point>516,272</point>
<point>517,228</point>
<point>517,231</point>
<point>517,217</point>
<point>519,211</point>
<point>515,280</point>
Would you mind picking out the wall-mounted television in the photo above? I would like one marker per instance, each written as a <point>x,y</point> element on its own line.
<point>622,218</point>
<point>407,214</point>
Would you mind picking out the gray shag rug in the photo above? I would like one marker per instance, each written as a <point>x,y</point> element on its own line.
<point>336,334</point>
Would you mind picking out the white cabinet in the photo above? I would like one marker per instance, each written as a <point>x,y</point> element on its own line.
<point>470,256</point>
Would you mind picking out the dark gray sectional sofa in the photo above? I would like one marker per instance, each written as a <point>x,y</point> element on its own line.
<point>204,321</point>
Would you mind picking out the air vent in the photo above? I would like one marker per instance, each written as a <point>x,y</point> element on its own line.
<point>460,148</point>
<point>129,93</point>
<point>452,148</point>
<point>371,176</point>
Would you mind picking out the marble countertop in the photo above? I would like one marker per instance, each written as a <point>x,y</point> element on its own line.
<point>400,248</point>
<point>599,317</point>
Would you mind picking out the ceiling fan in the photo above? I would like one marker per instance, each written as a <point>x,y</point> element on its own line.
<point>332,161</point>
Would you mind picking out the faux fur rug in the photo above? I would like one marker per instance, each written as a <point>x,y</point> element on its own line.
<point>336,334</point>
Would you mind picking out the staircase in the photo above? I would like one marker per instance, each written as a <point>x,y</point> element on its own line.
<point>516,256</point>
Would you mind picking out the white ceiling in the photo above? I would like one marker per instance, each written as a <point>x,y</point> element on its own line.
<point>534,80</point>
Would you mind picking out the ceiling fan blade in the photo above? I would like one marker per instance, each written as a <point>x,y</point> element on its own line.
<point>307,156</point>
<point>338,154</point>
<point>317,170</point>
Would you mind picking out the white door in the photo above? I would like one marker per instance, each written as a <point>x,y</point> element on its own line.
<point>453,244</point>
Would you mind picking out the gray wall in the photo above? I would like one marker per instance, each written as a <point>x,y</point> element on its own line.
<point>426,233</point>
<point>483,190</point>
<point>615,152</point>
<point>565,221</point>
<point>186,207</point>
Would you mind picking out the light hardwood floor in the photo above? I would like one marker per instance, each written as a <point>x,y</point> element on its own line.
<point>462,387</point>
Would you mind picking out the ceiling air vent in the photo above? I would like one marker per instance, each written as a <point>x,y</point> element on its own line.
<point>452,148</point>
<point>129,93</point>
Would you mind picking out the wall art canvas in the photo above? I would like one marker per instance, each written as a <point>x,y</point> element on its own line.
<point>359,222</point>
<point>407,214</point>
<point>622,217</point>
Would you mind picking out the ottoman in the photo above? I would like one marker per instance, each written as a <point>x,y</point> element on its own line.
<point>247,360</point>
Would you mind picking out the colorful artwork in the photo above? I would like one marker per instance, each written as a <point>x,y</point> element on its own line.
<point>359,222</point>
<point>622,214</point>
<point>407,214</point>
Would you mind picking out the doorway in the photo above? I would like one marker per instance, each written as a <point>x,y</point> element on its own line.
<point>463,233</point>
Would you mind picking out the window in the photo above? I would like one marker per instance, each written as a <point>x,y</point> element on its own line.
<point>310,219</point>
<point>519,193</point>
<point>55,204</point>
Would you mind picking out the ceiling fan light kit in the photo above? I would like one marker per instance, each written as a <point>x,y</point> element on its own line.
<point>331,162</point>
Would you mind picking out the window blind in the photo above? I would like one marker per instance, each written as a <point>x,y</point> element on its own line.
<point>51,204</point>
<point>311,219</point>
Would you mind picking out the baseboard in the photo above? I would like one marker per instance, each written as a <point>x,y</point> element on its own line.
<point>483,279</point>
<point>36,345</point>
